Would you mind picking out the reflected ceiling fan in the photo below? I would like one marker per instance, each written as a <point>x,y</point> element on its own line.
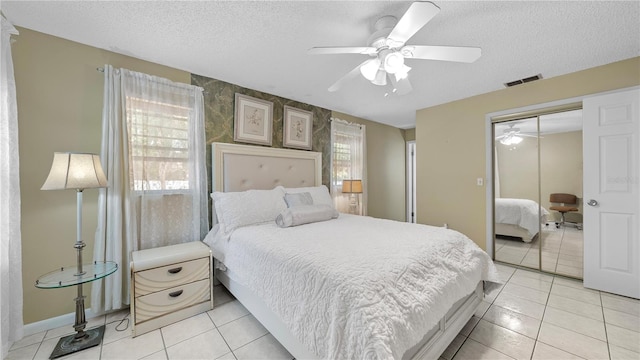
<point>388,51</point>
<point>512,135</point>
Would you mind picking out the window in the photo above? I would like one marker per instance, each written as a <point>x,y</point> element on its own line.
<point>341,158</point>
<point>347,163</point>
<point>159,145</point>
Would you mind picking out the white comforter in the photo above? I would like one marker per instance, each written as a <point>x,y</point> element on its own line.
<point>521,212</point>
<point>356,287</point>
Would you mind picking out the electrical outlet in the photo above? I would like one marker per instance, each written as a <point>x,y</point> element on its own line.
<point>480,181</point>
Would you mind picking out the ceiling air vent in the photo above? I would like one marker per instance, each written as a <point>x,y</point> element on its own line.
<point>522,81</point>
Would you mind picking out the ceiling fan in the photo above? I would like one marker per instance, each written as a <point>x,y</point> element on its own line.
<point>512,135</point>
<point>388,51</point>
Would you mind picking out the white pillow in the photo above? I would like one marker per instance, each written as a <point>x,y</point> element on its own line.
<point>319,194</point>
<point>305,214</point>
<point>238,209</point>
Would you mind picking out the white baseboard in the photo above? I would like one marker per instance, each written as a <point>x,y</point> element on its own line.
<point>55,322</point>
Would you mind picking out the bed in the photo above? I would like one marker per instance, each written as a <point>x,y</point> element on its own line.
<point>519,218</point>
<point>343,287</point>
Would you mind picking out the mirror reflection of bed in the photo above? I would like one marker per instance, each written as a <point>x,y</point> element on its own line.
<point>528,171</point>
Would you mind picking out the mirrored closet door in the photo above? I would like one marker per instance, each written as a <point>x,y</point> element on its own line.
<point>516,191</point>
<point>561,192</point>
<point>538,191</point>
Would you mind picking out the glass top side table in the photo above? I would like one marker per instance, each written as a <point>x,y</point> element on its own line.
<point>67,276</point>
<point>70,276</point>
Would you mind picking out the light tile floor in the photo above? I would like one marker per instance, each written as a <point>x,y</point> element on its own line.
<point>562,251</point>
<point>531,316</point>
<point>226,332</point>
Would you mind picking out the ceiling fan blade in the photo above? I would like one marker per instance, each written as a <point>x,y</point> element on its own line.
<point>341,50</point>
<point>350,75</point>
<point>445,53</point>
<point>418,14</point>
<point>402,86</point>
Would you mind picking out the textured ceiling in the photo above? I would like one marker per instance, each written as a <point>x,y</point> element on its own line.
<point>262,45</point>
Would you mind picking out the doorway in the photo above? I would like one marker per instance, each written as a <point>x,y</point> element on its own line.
<point>537,155</point>
<point>411,182</point>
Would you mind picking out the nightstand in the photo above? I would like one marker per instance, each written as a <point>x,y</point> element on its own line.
<point>169,284</point>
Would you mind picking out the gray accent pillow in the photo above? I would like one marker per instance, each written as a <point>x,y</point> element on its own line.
<point>298,199</point>
<point>305,214</point>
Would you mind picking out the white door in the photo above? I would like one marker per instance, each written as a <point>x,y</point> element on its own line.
<point>611,196</point>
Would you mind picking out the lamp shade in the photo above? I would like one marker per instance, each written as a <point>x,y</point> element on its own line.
<point>75,171</point>
<point>393,62</point>
<point>352,186</point>
<point>369,69</point>
<point>381,78</point>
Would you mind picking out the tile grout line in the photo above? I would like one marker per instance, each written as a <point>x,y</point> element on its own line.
<point>604,320</point>
<point>164,345</point>
<point>218,330</point>
<point>474,326</point>
<point>541,322</point>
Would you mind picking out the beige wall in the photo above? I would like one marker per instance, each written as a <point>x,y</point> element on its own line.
<point>59,95</point>
<point>518,169</point>
<point>385,168</point>
<point>410,134</point>
<point>451,142</point>
<point>560,169</point>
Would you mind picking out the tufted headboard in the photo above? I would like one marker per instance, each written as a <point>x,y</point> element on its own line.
<point>243,167</point>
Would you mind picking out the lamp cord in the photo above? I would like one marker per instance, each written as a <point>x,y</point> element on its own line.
<point>120,322</point>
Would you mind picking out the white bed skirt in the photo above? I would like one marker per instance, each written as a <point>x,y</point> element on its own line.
<point>515,231</point>
<point>431,347</point>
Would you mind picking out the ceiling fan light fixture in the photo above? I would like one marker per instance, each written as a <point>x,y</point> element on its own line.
<point>370,68</point>
<point>393,62</point>
<point>381,78</point>
<point>511,140</point>
<point>402,73</point>
<point>387,44</point>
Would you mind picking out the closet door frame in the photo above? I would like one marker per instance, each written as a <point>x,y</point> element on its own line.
<point>509,115</point>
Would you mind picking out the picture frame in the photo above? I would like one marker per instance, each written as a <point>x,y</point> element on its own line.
<point>253,120</point>
<point>297,127</point>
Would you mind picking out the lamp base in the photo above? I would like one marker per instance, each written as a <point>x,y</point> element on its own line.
<point>70,344</point>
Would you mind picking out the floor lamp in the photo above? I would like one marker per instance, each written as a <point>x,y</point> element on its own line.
<point>77,171</point>
<point>352,187</point>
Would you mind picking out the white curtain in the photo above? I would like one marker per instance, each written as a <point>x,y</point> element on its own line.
<point>153,151</point>
<point>10,235</point>
<point>348,162</point>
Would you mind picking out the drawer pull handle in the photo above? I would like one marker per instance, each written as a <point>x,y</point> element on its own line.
<point>175,270</point>
<point>175,293</point>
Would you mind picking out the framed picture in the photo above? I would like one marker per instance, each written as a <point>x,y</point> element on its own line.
<point>297,128</point>
<point>253,120</point>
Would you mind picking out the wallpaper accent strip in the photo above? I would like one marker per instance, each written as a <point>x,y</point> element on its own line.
<point>219,109</point>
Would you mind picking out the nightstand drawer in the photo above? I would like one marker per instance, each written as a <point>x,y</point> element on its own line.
<point>163,302</point>
<point>152,280</point>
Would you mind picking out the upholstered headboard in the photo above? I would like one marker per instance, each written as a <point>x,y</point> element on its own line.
<point>243,167</point>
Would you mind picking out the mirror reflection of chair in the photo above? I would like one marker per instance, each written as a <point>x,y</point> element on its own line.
<point>567,203</point>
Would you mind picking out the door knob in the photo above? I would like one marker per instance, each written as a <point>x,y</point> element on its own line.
<point>592,203</point>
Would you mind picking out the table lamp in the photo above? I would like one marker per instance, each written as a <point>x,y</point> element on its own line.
<point>352,187</point>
